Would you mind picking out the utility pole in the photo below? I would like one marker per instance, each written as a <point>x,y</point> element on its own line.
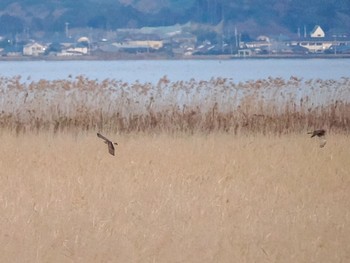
<point>66,29</point>
<point>236,36</point>
<point>335,44</point>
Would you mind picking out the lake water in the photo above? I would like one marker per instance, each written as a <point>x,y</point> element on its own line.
<point>175,70</point>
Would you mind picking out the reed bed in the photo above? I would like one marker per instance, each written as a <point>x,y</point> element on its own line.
<point>268,106</point>
<point>205,171</point>
<point>166,198</point>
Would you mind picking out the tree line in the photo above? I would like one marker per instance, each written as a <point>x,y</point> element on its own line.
<point>51,16</point>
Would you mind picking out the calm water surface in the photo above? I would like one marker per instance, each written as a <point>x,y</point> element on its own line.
<point>153,70</point>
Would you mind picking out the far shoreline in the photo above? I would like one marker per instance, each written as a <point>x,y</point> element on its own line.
<point>143,56</point>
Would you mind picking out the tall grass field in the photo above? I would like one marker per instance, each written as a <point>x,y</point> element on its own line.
<point>204,171</point>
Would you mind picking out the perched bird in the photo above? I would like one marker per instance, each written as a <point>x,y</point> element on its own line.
<point>321,134</point>
<point>111,149</point>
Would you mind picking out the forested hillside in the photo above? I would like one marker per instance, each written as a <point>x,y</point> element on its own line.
<point>271,15</point>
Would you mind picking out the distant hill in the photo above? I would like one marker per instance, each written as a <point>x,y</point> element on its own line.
<point>252,16</point>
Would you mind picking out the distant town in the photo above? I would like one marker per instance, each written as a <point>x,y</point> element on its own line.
<point>174,42</point>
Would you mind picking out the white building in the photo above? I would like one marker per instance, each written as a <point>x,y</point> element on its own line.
<point>317,32</point>
<point>34,49</point>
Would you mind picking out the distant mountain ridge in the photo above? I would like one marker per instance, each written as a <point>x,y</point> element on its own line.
<point>253,16</point>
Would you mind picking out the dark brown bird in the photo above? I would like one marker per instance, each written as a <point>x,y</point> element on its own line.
<point>321,134</point>
<point>111,149</point>
<point>318,133</point>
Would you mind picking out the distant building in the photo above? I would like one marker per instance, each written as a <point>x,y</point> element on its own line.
<point>83,39</point>
<point>316,46</point>
<point>317,32</point>
<point>73,51</point>
<point>154,44</point>
<point>316,43</point>
<point>139,45</point>
<point>245,52</point>
<point>34,49</point>
<point>258,44</point>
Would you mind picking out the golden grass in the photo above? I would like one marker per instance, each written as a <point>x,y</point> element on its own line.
<point>174,198</point>
<point>205,171</point>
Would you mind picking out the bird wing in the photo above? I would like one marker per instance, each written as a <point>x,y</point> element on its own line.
<point>102,137</point>
<point>110,148</point>
<point>312,133</point>
<point>318,133</point>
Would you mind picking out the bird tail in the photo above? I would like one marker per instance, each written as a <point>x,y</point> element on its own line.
<point>322,143</point>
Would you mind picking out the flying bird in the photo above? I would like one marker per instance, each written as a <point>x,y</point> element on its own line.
<point>321,134</point>
<point>111,149</point>
<point>318,133</point>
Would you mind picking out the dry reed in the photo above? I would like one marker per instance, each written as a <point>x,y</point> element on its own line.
<point>199,173</point>
<point>269,106</point>
<point>174,198</point>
